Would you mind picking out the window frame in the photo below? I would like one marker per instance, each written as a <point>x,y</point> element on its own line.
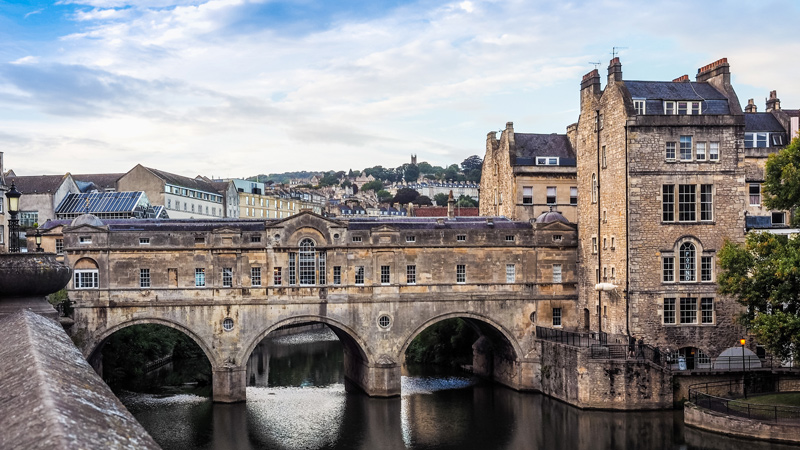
<point>277,276</point>
<point>461,273</point>
<point>557,317</point>
<point>668,269</point>
<point>411,274</point>
<point>551,199</point>
<point>687,263</point>
<point>669,316</point>
<point>558,274</point>
<point>86,279</point>
<point>640,105</point>
<point>359,276</point>
<point>688,311</point>
<point>573,195</point>
<point>511,273</point>
<point>227,277</point>
<point>527,199</point>
<point>200,277</point>
<point>255,276</point>
<point>144,278</point>
<point>685,148</point>
<point>386,275</point>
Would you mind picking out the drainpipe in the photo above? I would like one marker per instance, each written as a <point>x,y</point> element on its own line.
<point>597,240</point>
<point>627,246</point>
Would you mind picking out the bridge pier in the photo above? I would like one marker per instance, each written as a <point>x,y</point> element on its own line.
<point>381,379</point>
<point>229,384</point>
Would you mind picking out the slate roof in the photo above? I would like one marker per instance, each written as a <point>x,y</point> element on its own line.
<point>714,101</point>
<point>762,122</point>
<point>441,211</point>
<point>424,223</point>
<point>102,181</point>
<point>37,184</point>
<point>180,180</point>
<point>530,145</point>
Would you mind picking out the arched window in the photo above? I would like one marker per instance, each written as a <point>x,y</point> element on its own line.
<point>307,263</point>
<point>687,262</point>
<point>594,188</point>
<point>85,274</point>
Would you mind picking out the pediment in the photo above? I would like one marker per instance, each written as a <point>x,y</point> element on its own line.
<point>227,230</point>
<point>85,229</point>
<point>556,226</point>
<point>385,229</point>
<point>306,218</point>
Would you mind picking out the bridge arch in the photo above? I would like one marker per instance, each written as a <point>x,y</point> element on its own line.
<point>93,344</point>
<point>484,324</point>
<point>349,338</point>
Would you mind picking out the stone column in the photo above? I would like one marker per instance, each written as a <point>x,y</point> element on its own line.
<point>380,379</point>
<point>229,383</point>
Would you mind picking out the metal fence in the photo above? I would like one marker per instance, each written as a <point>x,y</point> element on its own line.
<point>573,338</point>
<point>716,396</point>
<point>635,352</point>
<point>729,363</point>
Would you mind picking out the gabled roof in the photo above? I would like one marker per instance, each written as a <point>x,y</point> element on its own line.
<point>180,180</point>
<point>102,181</point>
<point>530,145</point>
<point>762,122</point>
<point>713,101</point>
<point>37,184</point>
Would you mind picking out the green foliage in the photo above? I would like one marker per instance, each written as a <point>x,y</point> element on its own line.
<point>405,196</point>
<point>376,185</point>
<point>782,178</point>
<point>764,276</point>
<point>446,342</point>
<point>384,195</point>
<point>127,352</point>
<point>423,200</point>
<point>330,179</point>
<point>474,162</point>
<point>466,201</point>
<point>425,167</point>
<point>411,173</point>
<point>441,199</point>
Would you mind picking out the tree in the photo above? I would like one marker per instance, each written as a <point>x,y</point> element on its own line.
<point>376,185</point>
<point>764,276</point>
<point>405,196</point>
<point>782,179</point>
<point>474,162</point>
<point>411,173</point>
<point>441,199</point>
<point>425,167</point>
<point>384,195</point>
<point>466,201</point>
<point>423,200</point>
<point>329,179</point>
<point>764,273</point>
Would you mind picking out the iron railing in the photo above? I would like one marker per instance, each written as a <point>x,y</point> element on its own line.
<point>716,396</point>
<point>745,363</point>
<point>636,352</point>
<point>586,339</point>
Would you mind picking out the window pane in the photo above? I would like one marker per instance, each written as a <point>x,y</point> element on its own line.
<point>706,202</point>
<point>686,202</point>
<point>669,310</point>
<point>687,262</point>
<point>701,151</point>
<point>713,151</point>
<point>670,150</point>
<point>669,269</point>
<point>688,310</point>
<point>706,264</point>
<point>556,317</point>
<point>527,195</point>
<point>556,273</point>
<point>551,195</point>
<point>411,274</point>
<point>668,203</point>
<point>755,194</point>
<point>686,148</point>
<point>707,310</point>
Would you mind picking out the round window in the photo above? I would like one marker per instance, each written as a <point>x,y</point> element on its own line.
<point>336,236</point>
<point>277,236</point>
<point>533,317</point>
<point>227,324</point>
<point>384,321</point>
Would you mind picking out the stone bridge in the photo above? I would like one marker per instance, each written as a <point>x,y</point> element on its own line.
<point>376,283</point>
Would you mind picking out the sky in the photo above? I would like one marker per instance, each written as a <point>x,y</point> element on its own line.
<point>234,88</point>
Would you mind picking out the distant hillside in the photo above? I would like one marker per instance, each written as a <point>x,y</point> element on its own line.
<point>283,178</point>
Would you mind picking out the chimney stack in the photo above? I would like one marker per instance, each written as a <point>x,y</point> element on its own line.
<point>590,87</point>
<point>719,67</point>
<point>773,102</point>
<point>451,206</point>
<point>681,79</point>
<point>751,106</point>
<point>614,70</point>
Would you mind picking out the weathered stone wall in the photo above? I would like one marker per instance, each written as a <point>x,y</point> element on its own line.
<point>717,422</point>
<point>569,374</point>
<point>497,176</point>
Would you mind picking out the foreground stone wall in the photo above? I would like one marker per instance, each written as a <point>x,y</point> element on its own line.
<point>569,374</point>
<point>740,426</point>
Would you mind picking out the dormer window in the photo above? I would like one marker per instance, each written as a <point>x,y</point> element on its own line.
<point>546,161</point>
<point>758,140</point>
<point>682,108</point>
<point>640,106</point>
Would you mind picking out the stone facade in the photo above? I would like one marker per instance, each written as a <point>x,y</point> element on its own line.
<point>515,185</point>
<point>631,232</point>
<point>376,283</point>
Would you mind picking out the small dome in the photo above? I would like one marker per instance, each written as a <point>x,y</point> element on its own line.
<point>87,219</point>
<point>551,216</point>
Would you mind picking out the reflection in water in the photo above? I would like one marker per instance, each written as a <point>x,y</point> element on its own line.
<point>296,399</point>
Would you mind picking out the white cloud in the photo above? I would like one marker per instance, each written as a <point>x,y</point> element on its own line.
<point>38,11</point>
<point>196,80</point>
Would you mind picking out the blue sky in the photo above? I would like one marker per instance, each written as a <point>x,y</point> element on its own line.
<point>232,88</point>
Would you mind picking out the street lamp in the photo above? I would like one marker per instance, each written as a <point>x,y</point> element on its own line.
<point>744,371</point>
<point>13,224</point>
<point>38,238</point>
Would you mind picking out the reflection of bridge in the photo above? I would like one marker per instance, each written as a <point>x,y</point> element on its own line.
<point>376,284</point>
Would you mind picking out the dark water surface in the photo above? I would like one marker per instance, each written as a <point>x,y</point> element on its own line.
<point>296,399</point>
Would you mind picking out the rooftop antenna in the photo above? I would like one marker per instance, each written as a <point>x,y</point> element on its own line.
<point>596,64</point>
<point>615,51</point>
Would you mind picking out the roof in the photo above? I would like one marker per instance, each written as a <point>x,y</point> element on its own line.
<point>530,145</point>
<point>37,184</point>
<point>551,216</point>
<point>425,223</point>
<point>180,180</point>
<point>762,122</point>
<point>441,211</point>
<point>102,181</point>
<point>101,202</point>
<point>713,101</point>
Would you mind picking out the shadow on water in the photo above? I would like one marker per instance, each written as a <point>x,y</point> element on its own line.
<point>297,400</point>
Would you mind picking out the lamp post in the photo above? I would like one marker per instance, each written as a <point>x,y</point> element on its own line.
<point>744,371</point>
<point>13,224</point>
<point>38,238</point>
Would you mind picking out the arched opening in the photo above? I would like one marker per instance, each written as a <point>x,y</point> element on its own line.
<point>305,352</point>
<point>469,342</point>
<point>153,358</point>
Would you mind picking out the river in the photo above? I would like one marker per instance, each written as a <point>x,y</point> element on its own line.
<point>296,399</point>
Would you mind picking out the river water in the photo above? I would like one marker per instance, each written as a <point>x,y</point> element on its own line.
<point>296,399</point>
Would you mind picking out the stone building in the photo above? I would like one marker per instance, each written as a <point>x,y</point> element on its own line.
<point>525,174</point>
<point>661,180</point>
<point>41,195</point>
